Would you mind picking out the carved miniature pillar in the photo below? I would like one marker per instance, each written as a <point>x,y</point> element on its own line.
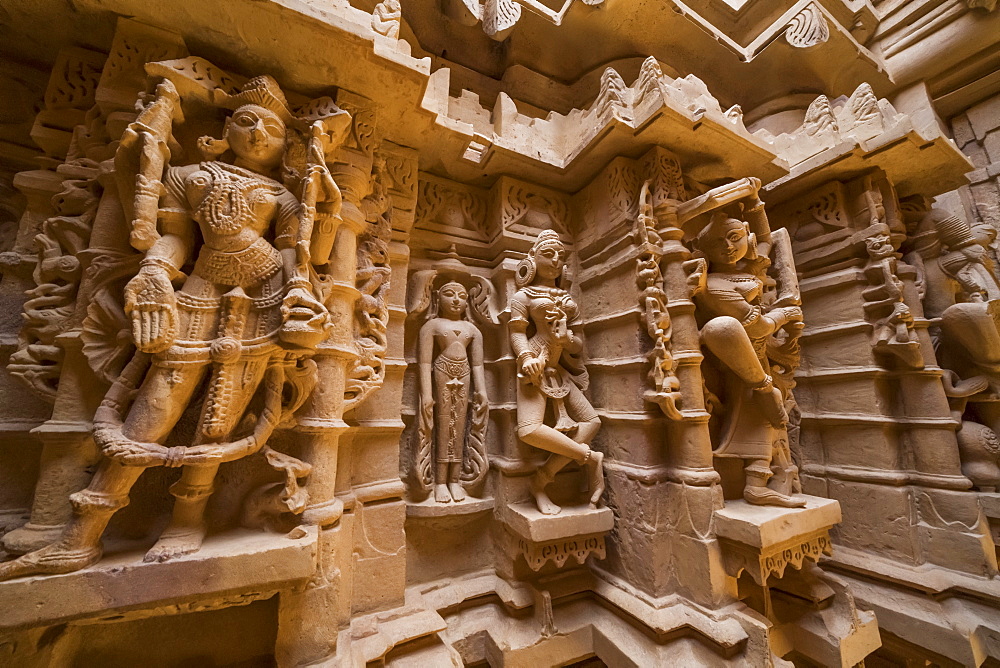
<point>690,443</point>
<point>308,620</point>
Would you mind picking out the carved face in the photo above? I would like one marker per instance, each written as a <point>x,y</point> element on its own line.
<point>878,246</point>
<point>550,259</point>
<point>727,243</point>
<point>452,299</point>
<point>256,135</point>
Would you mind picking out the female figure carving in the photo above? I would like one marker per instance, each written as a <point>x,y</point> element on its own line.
<point>550,372</point>
<point>735,327</point>
<point>246,318</point>
<point>450,381</point>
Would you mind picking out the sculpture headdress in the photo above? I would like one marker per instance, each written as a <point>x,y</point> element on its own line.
<point>262,91</point>
<point>525,271</point>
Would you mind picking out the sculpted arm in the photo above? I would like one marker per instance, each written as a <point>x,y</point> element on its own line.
<point>476,357</point>
<point>528,363</point>
<point>149,296</point>
<point>425,361</point>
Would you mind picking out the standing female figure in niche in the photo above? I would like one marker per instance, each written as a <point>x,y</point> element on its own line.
<point>446,382</point>
<point>550,371</point>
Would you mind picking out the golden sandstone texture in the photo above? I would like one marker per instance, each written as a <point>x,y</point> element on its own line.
<point>499,333</point>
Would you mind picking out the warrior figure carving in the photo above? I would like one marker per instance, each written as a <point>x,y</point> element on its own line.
<point>243,324</point>
<point>550,371</point>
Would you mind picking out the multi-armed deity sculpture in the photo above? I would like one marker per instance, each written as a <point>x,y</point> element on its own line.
<point>247,316</point>
<point>551,374</point>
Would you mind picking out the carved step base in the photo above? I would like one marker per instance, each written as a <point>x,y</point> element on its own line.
<point>238,566</point>
<point>765,540</point>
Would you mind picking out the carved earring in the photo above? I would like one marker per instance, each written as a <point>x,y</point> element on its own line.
<point>752,246</point>
<point>525,272</point>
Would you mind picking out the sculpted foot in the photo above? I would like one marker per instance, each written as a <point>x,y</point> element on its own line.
<point>176,542</point>
<point>545,505</point>
<point>442,494</point>
<point>457,492</point>
<point>596,465</point>
<point>763,496</point>
<point>50,560</point>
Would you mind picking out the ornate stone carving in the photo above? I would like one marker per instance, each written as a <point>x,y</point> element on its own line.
<point>884,306</point>
<point>653,305</point>
<point>247,317</point>
<point>561,551</point>
<point>454,408</point>
<point>371,311</point>
<point>386,18</point>
<point>551,372</point>
<point>808,28</point>
<point>746,329</point>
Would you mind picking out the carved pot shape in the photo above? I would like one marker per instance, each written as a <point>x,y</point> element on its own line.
<point>980,451</point>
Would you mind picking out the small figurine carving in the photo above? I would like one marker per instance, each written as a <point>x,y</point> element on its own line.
<point>451,381</point>
<point>884,306</point>
<point>550,371</point>
<point>246,318</point>
<point>386,18</point>
<point>736,327</point>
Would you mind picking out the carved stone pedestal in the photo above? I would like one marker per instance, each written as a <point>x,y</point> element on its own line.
<point>554,540</point>
<point>765,540</point>
<point>233,568</point>
<point>990,503</point>
<point>812,613</point>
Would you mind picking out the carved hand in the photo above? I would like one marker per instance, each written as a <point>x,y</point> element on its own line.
<point>132,453</point>
<point>790,314</point>
<point>300,299</point>
<point>532,367</point>
<point>150,301</point>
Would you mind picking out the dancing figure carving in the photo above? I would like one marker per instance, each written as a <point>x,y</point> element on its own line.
<point>551,372</point>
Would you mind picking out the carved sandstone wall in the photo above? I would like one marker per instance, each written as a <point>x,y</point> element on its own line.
<point>499,333</point>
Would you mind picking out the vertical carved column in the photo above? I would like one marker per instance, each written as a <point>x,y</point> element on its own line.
<point>876,430</point>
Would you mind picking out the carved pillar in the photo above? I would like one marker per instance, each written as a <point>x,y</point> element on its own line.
<point>876,430</point>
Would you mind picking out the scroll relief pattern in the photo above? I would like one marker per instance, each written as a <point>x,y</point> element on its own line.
<point>230,300</point>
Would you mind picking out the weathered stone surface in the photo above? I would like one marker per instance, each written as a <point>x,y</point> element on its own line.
<point>450,332</point>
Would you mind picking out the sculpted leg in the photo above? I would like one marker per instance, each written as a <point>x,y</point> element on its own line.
<point>441,492</point>
<point>186,530</point>
<point>80,544</point>
<point>729,342</point>
<point>455,483</point>
<point>758,471</point>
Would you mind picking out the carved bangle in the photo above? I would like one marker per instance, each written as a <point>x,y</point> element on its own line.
<point>298,282</point>
<point>154,261</point>
<point>523,355</point>
<point>586,457</point>
<point>764,386</point>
